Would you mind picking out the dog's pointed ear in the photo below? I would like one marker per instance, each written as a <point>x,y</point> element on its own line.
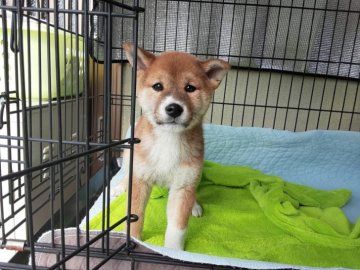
<point>144,58</point>
<point>215,70</point>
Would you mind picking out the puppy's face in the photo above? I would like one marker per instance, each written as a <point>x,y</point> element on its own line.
<point>175,89</point>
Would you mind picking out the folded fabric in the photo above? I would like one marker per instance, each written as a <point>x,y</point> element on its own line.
<point>251,215</point>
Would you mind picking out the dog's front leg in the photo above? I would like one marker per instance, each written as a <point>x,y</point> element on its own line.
<point>140,196</point>
<point>180,203</point>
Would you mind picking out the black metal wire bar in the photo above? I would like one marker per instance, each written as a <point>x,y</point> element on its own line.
<point>107,121</point>
<point>67,11</point>
<point>41,144</point>
<point>166,24</point>
<point>261,61</point>
<point>155,20</point>
<point>14,47</point>
<point>327,68</point>
<point>293,67</point>
<point>347,82</point>
<point>25,128</point>
<point>316,68</point>
<point>104,127</point>
<point>303,75</point>
<point>7,108</point>
<point>77,121</point>
<point>338,71</point>
<point>59,125</point>
<point>187,25</point>
<point>284,107</point>
<point>237,72</point>
<point>177,23</point>
<point>132,125</point>
<point>218,50</point>
<point>64,159</point>
<point>207,53</point>
<point>87,123</point>
<point>248,73</point>
<point>285,51</point>
<point>264,5</point>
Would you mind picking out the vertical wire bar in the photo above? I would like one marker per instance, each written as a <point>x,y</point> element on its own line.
<point>155,20</point>
<point>40,93</point>
<point>293,67</point>
<point>108,126</point>
<point>26,154</point>
<point>317,65</point>
<point>105,119</point>
<point>261,61</point>
<point>187,26</point>
<point>50,108</point>
<point>60,126</point>
<point>338,70</point>
<point>8,131</point>
<point>248,73</point>
<point>177,23</point>
<point>17,87</point>
<point>272,61</point>
<point>207,53</point>
<point>327,69</point>
<point>238,63</point>
<point>144,24</point>
<point>351,61</point>
<point>198,30</point>
<point>77,128</point>
<point>283,62</point>
<point>132,123</point>
<point>120,108</point>
<point>218,53</point>
<point>87,125</point>
<point>29,113</point>
<point>306,61</point>
<point>166,23</point>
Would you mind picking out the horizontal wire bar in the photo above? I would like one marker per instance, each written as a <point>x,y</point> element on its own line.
<point>266,5</point>
<point>56,162</point>
<point>283,107</point>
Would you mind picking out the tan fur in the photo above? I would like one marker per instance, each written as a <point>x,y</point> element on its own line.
<point>171,151</point>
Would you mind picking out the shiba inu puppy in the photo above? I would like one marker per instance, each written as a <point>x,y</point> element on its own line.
<point>174,90</point>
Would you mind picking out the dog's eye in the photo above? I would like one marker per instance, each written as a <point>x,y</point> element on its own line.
<point>158,87</point>
<point>190,88</point>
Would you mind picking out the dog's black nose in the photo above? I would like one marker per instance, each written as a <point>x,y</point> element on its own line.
<point>174,110</point>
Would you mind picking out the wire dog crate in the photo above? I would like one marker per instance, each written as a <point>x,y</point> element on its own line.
<point>68,97</point>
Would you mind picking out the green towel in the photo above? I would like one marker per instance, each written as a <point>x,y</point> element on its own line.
<point>251,215</point>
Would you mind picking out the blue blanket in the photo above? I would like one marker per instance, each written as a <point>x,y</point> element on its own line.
<point>321,159</point>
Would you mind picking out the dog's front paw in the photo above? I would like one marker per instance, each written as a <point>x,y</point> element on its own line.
<point>197,210</point>
<point>174,238</point>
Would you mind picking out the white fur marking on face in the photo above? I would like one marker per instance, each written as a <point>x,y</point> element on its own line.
<point>174,237</point>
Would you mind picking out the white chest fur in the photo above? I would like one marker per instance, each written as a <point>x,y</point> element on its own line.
<point>164,163</point>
